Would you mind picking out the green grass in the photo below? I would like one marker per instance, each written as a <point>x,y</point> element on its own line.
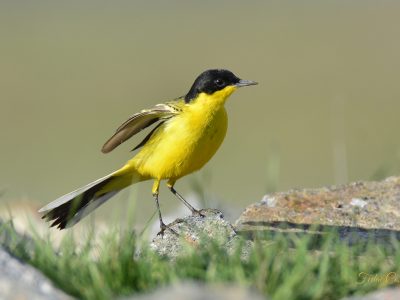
<point>287,267</point>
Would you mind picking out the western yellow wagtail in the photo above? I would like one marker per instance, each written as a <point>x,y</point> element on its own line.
<point>189,131</point>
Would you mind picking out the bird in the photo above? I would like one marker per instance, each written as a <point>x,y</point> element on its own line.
<point>187,132</point>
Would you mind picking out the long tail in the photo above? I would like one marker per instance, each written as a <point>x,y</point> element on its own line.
<point>69,209</point>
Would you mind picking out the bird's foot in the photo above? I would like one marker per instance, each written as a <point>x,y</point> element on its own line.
<point>199,212</point>
<point>164,227</point>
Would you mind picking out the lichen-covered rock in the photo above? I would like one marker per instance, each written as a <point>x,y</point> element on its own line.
<point>191,230</point>
<point>360,209</point>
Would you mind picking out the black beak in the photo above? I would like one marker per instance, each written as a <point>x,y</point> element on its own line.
<point>243,82</point>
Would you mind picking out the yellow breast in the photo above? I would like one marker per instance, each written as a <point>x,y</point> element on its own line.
<point>184,143</point>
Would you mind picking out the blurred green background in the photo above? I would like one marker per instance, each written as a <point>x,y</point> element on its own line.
<point>326,110</point>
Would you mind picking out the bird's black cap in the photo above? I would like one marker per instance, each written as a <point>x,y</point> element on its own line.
<point>214,80</point>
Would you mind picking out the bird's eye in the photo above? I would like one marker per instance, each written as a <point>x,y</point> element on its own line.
<point>219,82</point>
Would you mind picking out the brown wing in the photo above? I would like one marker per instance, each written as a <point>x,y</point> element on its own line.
<point>138,122</point>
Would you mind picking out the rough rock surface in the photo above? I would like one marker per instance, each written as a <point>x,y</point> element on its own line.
<point>20,281</point>
<point>197,291</point>
<point>359,210</point>
<point>192,229</point>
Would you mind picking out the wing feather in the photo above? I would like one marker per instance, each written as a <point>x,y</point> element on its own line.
<point>138,122</point>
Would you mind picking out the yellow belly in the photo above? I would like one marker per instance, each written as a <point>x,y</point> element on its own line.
<point>182,144</point>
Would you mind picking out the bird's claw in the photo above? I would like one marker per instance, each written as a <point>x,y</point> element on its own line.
<point>164,227</point>
<point>199,212</point>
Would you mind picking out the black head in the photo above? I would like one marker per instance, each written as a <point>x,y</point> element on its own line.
<point>214,80</point>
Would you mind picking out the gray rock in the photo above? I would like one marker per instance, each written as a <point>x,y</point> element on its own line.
<point>238,243</point>
<point>191,230</point>
<point>198,291</point>
<point>386,294</point>
<point>357,211</point>
<point>20,281</point>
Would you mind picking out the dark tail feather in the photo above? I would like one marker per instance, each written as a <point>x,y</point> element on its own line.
<point>69,209</point>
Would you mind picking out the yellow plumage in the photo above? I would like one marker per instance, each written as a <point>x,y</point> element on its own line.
<point>184,143</point>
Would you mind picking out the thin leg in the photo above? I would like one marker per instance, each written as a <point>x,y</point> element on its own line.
<point>179,196</point>
<point>163,227</point>
<point>159,211</point>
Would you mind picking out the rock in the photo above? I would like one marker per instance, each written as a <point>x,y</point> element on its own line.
<point>357,211</point>
<point>198,291</point>
<point>386,294</point>
<point>21,281</point>
<point>192,229</point>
